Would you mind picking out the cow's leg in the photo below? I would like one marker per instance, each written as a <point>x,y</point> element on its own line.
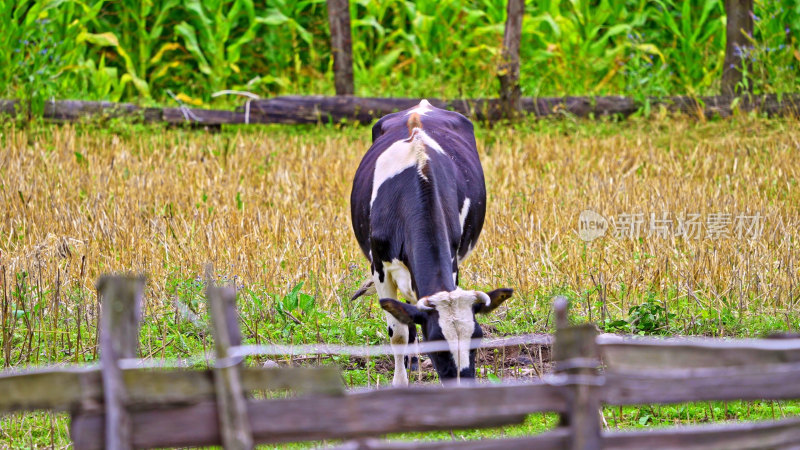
<point>398,335</point>
<point>411,360</point>
<point>398,331</point>
<point>402,278</point>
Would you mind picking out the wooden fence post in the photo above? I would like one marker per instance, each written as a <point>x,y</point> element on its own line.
<point>508,72</point>
<point>738,33</point>
<point>231,406</point>
<point>341,46</point>
<point>576,355</point>
<point>121,298</point>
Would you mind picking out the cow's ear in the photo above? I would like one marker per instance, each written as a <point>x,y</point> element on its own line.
<point>403,312</point>
<point>496,298</point>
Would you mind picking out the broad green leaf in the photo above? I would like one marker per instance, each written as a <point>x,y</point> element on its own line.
<point>273,17</point>
<point>256,299</point>
<point>297,287</point>
<point>306,302</point>
<point>208,28</point>
<point>107,39</point>
<point>650,48</point>
<point>369,22</point>
<point>139,83</point>
<point>164,69</point>
<point>304,34</point>
<point>157,28</point>
<point>290,301</point>
<point>189,36</point>
<point>268,79</point>
<point>196,7</point>
<point>164,48</point>
<point>383,64</point>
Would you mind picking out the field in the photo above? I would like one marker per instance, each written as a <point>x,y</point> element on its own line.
<point>269,207</point>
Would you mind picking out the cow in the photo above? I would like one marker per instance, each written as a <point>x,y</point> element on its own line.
<point>418,204</point>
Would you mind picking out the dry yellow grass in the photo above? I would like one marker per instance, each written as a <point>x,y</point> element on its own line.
<point>164,202</point>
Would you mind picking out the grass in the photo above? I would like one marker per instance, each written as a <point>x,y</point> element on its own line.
<point>269,207</point>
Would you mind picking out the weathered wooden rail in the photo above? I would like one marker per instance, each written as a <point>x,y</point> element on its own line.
<point>113,406</point>
<point>321,109</point>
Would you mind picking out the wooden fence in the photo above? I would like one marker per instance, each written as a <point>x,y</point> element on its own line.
<point>118,407</point>
<point>315,109</point>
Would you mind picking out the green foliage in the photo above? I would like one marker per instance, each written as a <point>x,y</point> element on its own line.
<point>697,30</point>
<point>189,292</point>
<point>216,31</point>
<point>649,317</point>
<point>403,47</point>
<point>773,57</point>
<point>139,50</point>
<point>582,38</point>
<point>132,38</point>
<point>290,301</point>
<point>34,50</point>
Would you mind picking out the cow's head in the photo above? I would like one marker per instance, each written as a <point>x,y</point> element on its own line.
<point>450,316</point>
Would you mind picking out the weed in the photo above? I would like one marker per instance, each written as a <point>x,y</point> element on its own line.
<point>649,317</point>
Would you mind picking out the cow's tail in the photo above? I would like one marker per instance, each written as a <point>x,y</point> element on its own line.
<point>367,288</point>
<point>414,122</point>
<point>418,144</point>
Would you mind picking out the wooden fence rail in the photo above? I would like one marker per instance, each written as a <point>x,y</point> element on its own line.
<point>320,109</point>
<point>117,407</point>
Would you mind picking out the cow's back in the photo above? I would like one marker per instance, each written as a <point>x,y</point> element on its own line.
<point>450,142</point>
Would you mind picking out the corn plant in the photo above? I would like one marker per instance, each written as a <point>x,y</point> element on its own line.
<point>698,32</point>
<point>410,48</point>
<point>291,50</point>
<point>580,46</point>
<point>216,31</point>
<point>35,49</point>
<point>133,34</point>
<point>773,58</point>
<point>139,50</point>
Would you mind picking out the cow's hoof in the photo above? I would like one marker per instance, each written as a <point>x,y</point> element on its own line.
<point>400,381</point>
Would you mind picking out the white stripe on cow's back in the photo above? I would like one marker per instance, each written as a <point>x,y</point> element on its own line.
<point>463,219</point>
<point>429,141</point>
<point>461,259</point>
<point>422,108</point>
<point>400,156</point>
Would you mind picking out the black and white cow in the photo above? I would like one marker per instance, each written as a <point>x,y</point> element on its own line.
<point>418,204</point>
